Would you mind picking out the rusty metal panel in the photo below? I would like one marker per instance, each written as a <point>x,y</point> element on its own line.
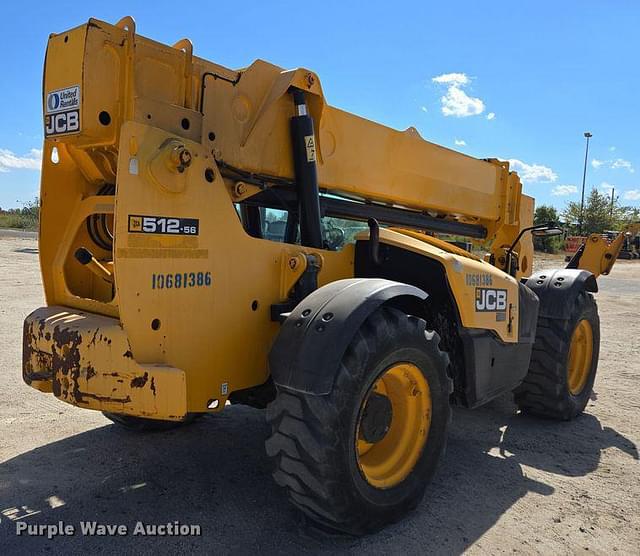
<point>86,360</point>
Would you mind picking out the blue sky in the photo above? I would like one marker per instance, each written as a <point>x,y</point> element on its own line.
<point>514,80</point>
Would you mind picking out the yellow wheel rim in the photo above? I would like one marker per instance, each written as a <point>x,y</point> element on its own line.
<point>580,357</point>
<point>387,462</point>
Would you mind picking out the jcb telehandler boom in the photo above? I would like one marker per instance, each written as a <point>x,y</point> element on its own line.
<point>211,236</point>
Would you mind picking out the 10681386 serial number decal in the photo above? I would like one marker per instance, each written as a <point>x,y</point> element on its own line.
<point>163,225</point>
<point>180,280</point>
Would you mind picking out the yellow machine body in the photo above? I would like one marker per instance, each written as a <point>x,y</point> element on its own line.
<point>599,255</point>
<point>184,320</point>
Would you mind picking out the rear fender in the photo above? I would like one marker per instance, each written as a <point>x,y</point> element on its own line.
<point>313,339</point>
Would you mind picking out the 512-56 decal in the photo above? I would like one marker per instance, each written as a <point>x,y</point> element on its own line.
<point>163,225</point>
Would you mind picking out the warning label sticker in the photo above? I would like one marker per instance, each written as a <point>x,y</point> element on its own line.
<point>310,144</point>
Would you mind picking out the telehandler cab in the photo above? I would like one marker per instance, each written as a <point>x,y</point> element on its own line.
<point>210,236</point>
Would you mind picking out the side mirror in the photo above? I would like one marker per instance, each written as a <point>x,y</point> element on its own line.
<point>540,230</point>
<point>546,232</point>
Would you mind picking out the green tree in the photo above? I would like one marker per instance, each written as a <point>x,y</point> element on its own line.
<point>598,214</point>
<point>31,209</point>
<point>625,215</point>
<point>26,217</point>
<point>546,214</point>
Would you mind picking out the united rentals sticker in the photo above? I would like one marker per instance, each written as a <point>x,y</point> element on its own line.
<point>62,111</point>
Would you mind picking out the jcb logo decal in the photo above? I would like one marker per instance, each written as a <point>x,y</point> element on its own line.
<point>135,223</point>
<point>489,299</point>
<point>62,111</point>
<point>63,122</point>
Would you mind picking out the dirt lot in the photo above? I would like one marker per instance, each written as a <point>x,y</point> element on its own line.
<point>508,483</point>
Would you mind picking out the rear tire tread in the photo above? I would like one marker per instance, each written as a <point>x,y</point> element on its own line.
<point>299,454</point>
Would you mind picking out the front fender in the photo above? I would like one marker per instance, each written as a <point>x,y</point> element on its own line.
<point>558,289</point>
<point>314,337</point>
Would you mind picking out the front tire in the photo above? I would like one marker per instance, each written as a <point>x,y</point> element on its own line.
<point>361,456</point>
<point>563,364</point>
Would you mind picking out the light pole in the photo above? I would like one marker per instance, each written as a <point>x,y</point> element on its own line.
<point>584,178</point>
<point>613,190</point>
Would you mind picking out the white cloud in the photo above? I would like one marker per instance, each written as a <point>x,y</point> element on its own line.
<point>621,163</point>
<point>456,102</point>
<point>11,161</point>
<point>458,79</point>
<point>533,172</point>
<point>560,190</point>
<point>491,116</point>
<point>424,109</point>
<point>632,195</point>
<point>614,164</point>
<point>607,187</point>
<point>460,142</point>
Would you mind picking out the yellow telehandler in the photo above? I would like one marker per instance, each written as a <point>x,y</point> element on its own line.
<point>211,236</point>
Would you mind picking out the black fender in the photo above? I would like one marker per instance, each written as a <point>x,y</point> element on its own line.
<point>558,289</point>
<point>313,339</point>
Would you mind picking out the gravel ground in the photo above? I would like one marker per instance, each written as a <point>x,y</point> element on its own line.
<point>508,483</point>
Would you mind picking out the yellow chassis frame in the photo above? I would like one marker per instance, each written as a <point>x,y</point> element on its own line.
<point>131,347</point>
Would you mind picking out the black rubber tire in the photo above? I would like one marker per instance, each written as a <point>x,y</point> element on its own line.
<point>312,443</point>
<point>545,390</point>
<point>140,424</point>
